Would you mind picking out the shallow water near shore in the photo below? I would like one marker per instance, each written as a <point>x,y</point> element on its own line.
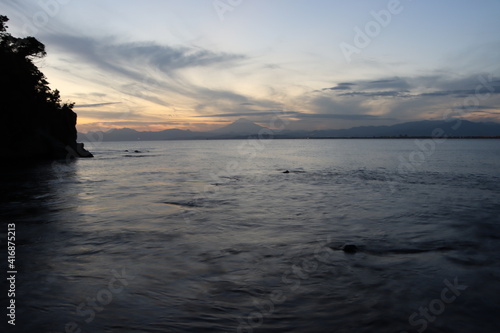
<point>213,236</point>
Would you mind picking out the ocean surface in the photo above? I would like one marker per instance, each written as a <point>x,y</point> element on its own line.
<point>216,236</point>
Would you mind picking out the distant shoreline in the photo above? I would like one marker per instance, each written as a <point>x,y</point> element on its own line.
<point>245,129</point>
<point>411,137</point>
<point>314,138</point>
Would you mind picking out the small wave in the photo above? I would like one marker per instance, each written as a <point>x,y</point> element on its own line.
<point>136,155</point>
<point>183,204</point>
<point>209,203</point>
<point>410,249</point>
<point>293,171</point>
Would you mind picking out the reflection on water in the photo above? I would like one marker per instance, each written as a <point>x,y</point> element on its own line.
<point>174,241</point>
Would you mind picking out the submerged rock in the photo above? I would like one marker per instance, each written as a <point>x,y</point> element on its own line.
<point>350,248</point>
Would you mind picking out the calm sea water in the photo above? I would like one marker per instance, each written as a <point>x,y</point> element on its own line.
<point>212,236</point>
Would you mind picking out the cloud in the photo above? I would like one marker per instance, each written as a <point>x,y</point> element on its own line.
<point>388,87</point>
<point>135,123</point>
<point>327,104</point>
<point>419,87</point>
<point>365,85</point>
<point>298,114</point>
<point>390,93</point>
<point>480,107</point>
<point>254,113</point>
<point>395,83</point>
<point>448,85</point>
<point>459,93</point>
<point>341,86</point>
<point>169,59</point>
<point>105,115</point>
<point>145,70</point>
<point>487,112</point>
<point>130,59</point>
<point>399,99</point>
<point>94,105</point>
<point>340,116</point>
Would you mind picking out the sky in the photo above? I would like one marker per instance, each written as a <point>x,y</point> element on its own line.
<point>322,64</point>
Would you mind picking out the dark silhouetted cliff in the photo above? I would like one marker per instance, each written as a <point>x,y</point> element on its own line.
<point>34,123</point>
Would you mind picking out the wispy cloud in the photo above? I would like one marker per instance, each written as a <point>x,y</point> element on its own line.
<point>389,93</point>
<point>145,70</point>
<point>252,114</point>
<point>94,105</point>
<point>341,86</point>
<point>114,115</point>
<point>340,116</point>
<point>132,58</point>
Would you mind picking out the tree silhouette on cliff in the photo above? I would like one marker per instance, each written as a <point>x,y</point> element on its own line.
<point>34,123</point>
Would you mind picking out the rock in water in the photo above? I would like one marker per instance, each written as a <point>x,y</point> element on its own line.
<point>286,171</point>
<point>82,152</point>
<point>350,248</point>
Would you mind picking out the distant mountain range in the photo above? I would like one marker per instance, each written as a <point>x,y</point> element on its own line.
<point>244,128</point>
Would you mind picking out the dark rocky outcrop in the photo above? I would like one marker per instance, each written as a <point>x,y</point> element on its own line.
<point>350,248</point>
<point>34,123</point>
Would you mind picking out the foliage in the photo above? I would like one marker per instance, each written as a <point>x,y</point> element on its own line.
<point>29,109</point>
